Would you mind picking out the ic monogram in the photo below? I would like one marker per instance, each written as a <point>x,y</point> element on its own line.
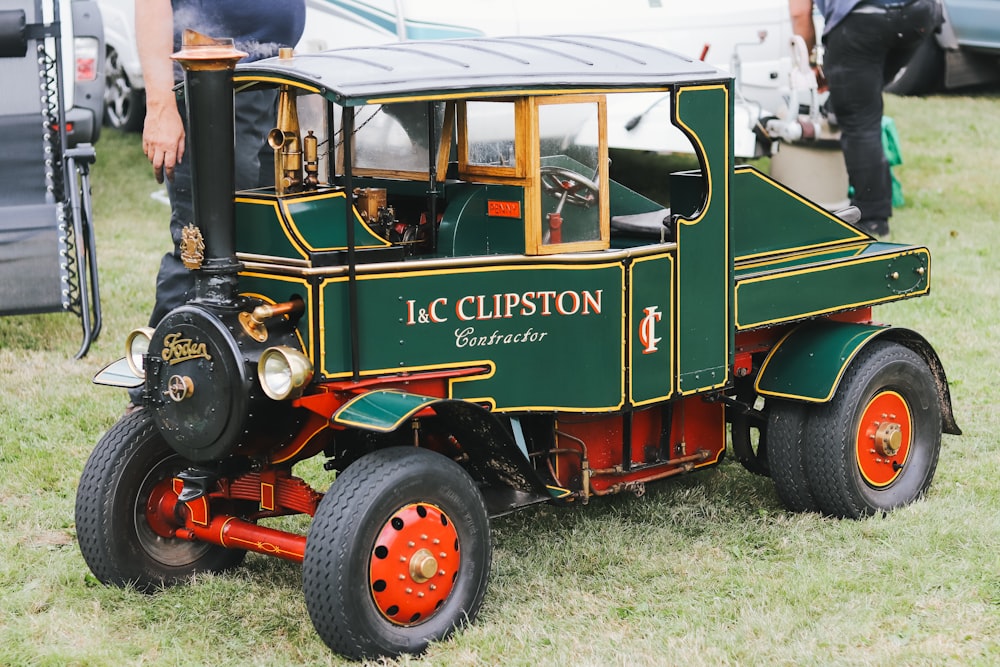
<point>647,330</point>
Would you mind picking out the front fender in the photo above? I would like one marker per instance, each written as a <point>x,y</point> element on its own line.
<point>382,411</point>
<point>492,455</point>
<point>809,362</point>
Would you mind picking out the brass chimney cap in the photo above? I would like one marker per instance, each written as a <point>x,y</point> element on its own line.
<point>201,52</point>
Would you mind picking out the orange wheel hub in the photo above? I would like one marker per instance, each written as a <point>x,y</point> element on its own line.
<point>884,436</point>
<point>414,564</point>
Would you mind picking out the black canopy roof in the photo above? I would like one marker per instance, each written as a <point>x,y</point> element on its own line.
<point>357,75</point>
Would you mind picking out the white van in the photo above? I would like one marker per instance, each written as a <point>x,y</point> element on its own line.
<point>750,39</point>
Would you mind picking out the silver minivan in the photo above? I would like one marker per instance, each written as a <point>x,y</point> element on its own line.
<point>82,46</point>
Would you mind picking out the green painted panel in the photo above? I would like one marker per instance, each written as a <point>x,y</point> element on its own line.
<point>808,363</point>
<point>382,410</point>
<point>294,225</point>
<point>773,218</point>
<point>799,260</point>
<point>467,230</point>
<point>551,334</point>
<point>259,232</point>
<point>829,287</point>
<point>651,329</point>
<point>704,264</point>
<point>318,220</point>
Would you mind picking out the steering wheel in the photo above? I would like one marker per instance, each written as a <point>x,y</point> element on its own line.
<point>569,187</point>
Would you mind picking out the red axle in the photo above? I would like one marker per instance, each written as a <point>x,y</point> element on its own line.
<point>192,520</point>
<point>233,533</point>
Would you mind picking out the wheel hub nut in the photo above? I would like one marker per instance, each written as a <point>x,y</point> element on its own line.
<point>423,566</point>
<point>888,438</point>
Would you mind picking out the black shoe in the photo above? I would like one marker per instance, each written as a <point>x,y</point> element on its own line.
<point>875,226</point>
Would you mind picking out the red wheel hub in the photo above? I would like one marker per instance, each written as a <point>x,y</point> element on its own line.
<point>161,507</point>
<point>414,564</point>
<point>884,436</point>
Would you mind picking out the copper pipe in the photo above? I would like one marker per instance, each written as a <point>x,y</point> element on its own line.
<point>253,322</point>
<point>698,456</point>
<point>584,465</point>
<point>686,464</point>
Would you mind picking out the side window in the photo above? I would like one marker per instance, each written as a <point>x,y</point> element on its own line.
<point>394,139</point>
<point>573,173</point>
<point>313,122</point>
<point>490,129</point>
<point>489,137</point>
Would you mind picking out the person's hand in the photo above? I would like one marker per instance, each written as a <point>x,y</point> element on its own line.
<point>821,83</point>
<point>163,139</point>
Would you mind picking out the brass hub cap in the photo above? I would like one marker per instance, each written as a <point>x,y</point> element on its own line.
<point>888,438</point>
<point>423,566</point>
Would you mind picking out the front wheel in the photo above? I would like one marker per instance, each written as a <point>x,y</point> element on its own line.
<point>398,554</point>
<point>130,469</point>
<point>875,446</point>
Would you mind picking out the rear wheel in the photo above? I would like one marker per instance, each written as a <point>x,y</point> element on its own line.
<point>750,429</point>
<point>786,422</point>
<point>398,554</point>
<point>128,472</point>
<point>875,446</point>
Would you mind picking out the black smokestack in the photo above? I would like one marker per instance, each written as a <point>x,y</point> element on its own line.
<point>208,90</point>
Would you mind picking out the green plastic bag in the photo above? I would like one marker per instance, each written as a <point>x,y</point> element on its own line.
<point>893,154</point>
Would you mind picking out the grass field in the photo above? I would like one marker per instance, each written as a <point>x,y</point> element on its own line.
<point>707,569</point>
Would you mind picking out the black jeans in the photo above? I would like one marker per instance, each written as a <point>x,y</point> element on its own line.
<point>863,53</point>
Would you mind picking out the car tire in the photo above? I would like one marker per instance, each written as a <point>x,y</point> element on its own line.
<point>124,105</point>
<point>923,73</point>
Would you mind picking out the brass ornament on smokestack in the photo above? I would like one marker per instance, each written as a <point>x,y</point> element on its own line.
<point>192,247</point>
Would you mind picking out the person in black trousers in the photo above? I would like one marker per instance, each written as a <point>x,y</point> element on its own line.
<point>866,42</point>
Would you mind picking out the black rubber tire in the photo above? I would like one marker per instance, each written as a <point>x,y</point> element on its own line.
<point>923,73</point>
<point>832,440</point>
<point>340,551</point>
<point>750,451</point>
<point>786,461</point>
<point>124,105</point>
<point>116,540</point>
